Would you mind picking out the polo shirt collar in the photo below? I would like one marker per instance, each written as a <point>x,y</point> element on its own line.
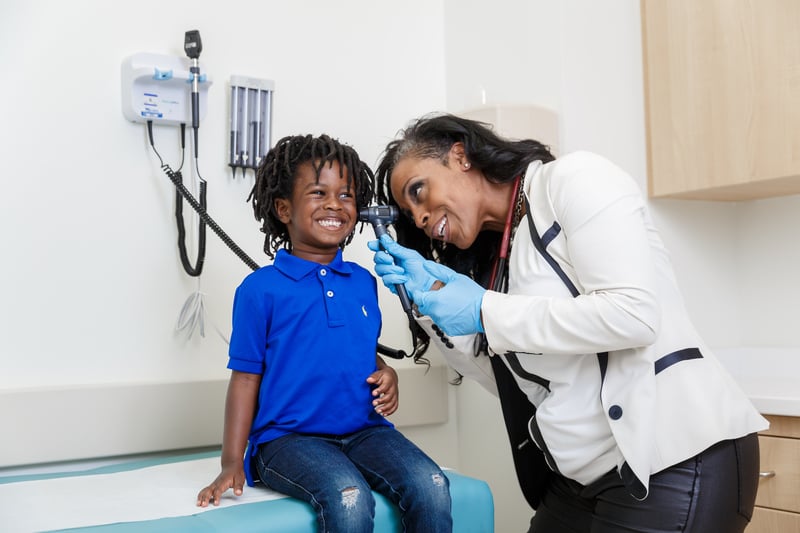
<point>297,268</point>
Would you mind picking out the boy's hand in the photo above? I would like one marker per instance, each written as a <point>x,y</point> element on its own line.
<point>229,478</point>
<point>385,393</point>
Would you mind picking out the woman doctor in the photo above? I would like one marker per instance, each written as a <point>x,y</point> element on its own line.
<point>637,425</point>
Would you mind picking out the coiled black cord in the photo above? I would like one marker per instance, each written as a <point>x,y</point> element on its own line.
<point>197,269</point>
<point>176,178</point>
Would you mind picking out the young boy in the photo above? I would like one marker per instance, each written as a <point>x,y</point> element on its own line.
<point>308,394</point>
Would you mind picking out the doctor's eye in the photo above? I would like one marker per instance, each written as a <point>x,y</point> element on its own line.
<point>416,192</point>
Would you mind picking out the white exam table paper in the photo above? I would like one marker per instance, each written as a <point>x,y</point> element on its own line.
<point>161,491</point>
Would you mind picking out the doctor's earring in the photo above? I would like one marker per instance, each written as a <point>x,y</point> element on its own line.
<point>467,166</point>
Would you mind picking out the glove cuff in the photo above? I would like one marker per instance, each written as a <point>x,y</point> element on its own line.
<point>478,321</point>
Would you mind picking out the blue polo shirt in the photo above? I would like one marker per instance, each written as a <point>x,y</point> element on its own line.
<point>311,331</point>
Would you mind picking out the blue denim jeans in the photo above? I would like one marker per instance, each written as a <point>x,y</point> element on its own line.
<point>335,474</point>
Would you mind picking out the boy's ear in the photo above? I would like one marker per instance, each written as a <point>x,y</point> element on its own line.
<point>283,208</point>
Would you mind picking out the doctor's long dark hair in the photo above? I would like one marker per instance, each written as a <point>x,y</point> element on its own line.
<point>499,159</point>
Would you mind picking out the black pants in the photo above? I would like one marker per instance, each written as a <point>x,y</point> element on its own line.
<point>713,492</point>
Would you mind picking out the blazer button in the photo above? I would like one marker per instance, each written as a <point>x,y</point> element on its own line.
<point>615,412</point>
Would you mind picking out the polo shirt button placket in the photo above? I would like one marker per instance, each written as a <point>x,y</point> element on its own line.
<point>324,272</point>
<point>332,306</point>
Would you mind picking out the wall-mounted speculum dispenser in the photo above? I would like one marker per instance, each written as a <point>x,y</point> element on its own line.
<point>251,122</point>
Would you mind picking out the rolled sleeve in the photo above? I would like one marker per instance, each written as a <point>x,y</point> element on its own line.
<point>247,350</point>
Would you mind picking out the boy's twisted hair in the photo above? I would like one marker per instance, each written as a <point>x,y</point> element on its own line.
<point>275,179</point>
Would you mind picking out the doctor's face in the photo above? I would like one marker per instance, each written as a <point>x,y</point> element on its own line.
<point>443,200</point>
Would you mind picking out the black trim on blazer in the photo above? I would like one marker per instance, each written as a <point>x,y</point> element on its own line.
<point>516,367</point>
<point>676,357</point>
<point>551,234</point>
<point>602,360</point>
<point>632,483</point>
<point>540,245</point>
<point>536,435</point>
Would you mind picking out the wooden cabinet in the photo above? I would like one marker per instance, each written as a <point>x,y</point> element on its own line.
<point>778,500</point>
<point>722,97</point>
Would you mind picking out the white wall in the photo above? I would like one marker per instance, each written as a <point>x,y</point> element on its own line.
<point>768,248</point>
<point>91,283</point>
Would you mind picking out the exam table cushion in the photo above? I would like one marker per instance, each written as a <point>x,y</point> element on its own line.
<point>158,495</point>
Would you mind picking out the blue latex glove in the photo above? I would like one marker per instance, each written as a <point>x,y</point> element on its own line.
<point>456,307</point>
<point>396,265</point>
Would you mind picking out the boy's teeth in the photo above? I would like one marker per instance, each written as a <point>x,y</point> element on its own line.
<point>331,223</point>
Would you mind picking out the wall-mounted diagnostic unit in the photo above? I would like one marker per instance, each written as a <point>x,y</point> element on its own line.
<point>251,122</point>
<point>158,88</point>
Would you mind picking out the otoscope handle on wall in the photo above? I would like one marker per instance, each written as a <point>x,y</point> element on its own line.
<point>192,45</point>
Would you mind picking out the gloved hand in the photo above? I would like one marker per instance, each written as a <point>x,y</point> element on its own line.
<point>396,264</point>
<point>456,307</point>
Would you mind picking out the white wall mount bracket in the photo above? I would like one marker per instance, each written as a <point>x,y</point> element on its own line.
<point>158,87</point>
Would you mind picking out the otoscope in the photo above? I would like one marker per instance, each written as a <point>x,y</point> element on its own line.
<point>192,45</point>
<point>379,216</point>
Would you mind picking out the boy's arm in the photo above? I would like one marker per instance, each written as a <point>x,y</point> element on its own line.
<point>240,406</point>
<point>386,393</point>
